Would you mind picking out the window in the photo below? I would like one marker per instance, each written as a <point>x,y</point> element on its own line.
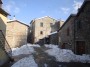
<point>41,32</point>
<point>68,32</point>
<point>41,24</point>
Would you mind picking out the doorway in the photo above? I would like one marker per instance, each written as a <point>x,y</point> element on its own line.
<point>80,47</point>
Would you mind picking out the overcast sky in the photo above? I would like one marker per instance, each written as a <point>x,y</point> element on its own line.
<point>27,10</point>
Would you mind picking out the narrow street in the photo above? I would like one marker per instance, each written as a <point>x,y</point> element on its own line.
<point>44,60</point>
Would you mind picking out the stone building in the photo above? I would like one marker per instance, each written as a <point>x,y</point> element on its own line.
<point>55,27</point>
<point>41,28</point>
<point>75,34</point>
<point>53,37</point>
<point>82,29</point>
<point>66,33</point>
<point>17,33</point>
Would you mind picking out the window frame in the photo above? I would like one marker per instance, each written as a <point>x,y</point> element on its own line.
<point>41,24</point>
<point>41,32</point>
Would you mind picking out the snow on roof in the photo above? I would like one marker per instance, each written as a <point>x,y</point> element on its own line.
<point>17,21</point>
<point>53,33</point>
<point>44,17</point>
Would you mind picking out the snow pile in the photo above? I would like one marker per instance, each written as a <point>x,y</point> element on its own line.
<point>25,62</point>
<point>51,46</point>
<point>25,49</point>
<point>84,58</point>
<point>63,55</point>
<point>34,45</point>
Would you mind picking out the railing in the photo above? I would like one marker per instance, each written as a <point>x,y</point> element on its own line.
<point>4,44</point>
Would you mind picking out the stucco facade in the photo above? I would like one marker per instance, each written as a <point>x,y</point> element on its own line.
<point>16,33</point>
<point>3,21</point>
<point>3,25</point>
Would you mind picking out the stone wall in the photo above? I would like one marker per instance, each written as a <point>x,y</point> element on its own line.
<point>16,34</point>
<point>66,34</point>
<point>82,27</point>
<point>54,39</point>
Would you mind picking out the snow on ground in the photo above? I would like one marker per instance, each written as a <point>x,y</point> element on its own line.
<point>63,55</point>
<point>45,65</point>
<point>25,49</point>
<point>51,46</point>
<point>26,62</point>
<point>34,45</point>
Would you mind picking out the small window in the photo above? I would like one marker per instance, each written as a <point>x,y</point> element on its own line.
<point>41,24</point>
<point>41,32</point>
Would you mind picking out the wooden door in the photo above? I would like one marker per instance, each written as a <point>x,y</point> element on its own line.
<point>80,47</point>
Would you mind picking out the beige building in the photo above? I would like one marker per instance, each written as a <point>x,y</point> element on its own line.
<point>41,28</point>
<point>16,33</point>
<point>4,57</point>
<point>3,20</point>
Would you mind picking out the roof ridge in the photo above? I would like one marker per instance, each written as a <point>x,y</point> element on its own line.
<point>44,17</point>
<point>18,21</point>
